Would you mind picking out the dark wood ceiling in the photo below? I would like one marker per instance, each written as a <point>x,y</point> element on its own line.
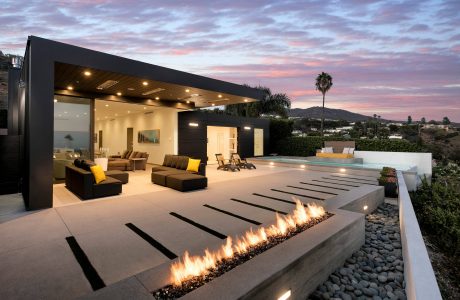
<point>71,75</point>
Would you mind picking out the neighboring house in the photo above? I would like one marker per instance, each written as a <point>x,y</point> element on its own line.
<point>67,96</point>
<point>437,126</point>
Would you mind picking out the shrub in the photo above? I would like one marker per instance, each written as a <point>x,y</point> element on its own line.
<point>307,146</point>
<point>279,129</point>
<point>438,208</point>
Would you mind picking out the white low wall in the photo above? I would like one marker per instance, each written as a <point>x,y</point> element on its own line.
<point>420,160</point>
<point>420,280</point>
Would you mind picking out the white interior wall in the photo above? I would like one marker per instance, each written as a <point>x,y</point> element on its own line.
<point>114,133</point>
<point>219,141</point>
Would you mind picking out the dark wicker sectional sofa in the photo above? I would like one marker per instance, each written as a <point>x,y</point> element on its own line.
<point>81,182</point>
<point>172,173</point>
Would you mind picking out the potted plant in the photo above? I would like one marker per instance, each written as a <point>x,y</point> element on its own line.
<point>388,172</point>
<point>390,185</point>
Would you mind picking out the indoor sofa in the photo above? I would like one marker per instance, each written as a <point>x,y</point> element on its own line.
<point>173,174</point>
<point>81,182</point>
<point>125,161</point>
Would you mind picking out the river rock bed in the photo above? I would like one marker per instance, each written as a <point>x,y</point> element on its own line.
<point>376,271</point>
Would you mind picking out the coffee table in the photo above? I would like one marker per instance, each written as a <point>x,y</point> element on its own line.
<point>134,162</point>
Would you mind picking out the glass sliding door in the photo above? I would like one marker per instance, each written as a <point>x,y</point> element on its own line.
<point>72,132</point>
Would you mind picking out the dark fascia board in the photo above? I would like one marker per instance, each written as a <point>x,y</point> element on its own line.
<point>75,55</point>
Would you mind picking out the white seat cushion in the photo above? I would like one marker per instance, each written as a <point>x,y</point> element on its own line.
<point>345,150</point>
<point>329,150</point>
<point>351,150</point>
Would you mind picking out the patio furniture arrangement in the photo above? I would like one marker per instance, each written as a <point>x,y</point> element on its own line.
<point>128,161</point>
<point>241,162</point>
<point>230,166</point>
<point>337,149</point>
<point>81,181</point>
<point>180,173</point>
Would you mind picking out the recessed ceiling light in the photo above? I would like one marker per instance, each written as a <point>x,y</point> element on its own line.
<point>70,87</point>
<point>106,105</point>
<point>245,100</point>
<point>220,96</point>
<point>59,115</point>
<point>145,107</point>
<point>106,117</point>
<point>94,109</point>
<point>116,115</point>
<point>98,119</point>
<point>195,95</point>
<point>85,113</point>
<point>131,89</point>
<point>65,112</point>
<point>188,101</point>
<point>118,94</point>
<point>157,98</point>
<point>213,104</point>
<point>187,91</point>
<point>129,112</point>
<point>87,73</point>
<point>55,100</point>
<point>145,83</point>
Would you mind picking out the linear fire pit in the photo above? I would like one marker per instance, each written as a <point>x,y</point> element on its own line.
<point>296,265</point>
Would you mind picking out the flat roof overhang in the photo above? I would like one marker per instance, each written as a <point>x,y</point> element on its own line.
<point>169,86</point>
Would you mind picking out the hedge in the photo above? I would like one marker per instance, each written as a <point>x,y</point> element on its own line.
<point>307,146</point>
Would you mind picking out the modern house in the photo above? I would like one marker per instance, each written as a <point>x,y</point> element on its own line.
<point>67,99</point>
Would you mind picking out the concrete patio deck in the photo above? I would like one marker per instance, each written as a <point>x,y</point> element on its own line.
<point>38,263</point>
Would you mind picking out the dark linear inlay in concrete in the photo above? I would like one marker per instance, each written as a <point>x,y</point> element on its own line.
<point>198,225</point>
<point>330,187</point>
<point>168,253</point>
<point>351,181</point>
<point>259,206</point>
<point>296,194</point>
<point>274,198</point>
<point>232,214</point>
<point>347,177</point>
<point>90,272</point>
<point>301,188</point>
<point>335,183</point>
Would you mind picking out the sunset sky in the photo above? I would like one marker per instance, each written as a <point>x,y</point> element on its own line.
<point>392,58</point>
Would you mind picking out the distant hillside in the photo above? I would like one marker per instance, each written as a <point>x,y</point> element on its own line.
<point>329,113</point>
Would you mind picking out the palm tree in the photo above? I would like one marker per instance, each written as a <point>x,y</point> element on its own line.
<point>277,104</point>
<point>323,84</point>
<point>270,104</point>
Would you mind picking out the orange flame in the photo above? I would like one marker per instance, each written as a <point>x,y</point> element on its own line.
<point>191,266</point>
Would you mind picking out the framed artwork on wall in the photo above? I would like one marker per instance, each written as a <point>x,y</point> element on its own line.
<point>149,136</point>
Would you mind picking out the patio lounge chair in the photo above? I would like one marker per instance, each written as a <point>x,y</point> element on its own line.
<point>241,162</point>
<point>225,166</point>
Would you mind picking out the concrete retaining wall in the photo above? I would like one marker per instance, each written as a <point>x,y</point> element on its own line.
<point>420,160</point>
<point>420,280</point>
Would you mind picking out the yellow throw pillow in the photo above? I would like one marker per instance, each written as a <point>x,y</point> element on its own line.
<point>193,165</point>
<point>98,173</point>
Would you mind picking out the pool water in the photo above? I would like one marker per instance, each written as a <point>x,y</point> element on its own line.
<point>289,160</point>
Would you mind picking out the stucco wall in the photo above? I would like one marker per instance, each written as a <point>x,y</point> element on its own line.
<point>421,160</point>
